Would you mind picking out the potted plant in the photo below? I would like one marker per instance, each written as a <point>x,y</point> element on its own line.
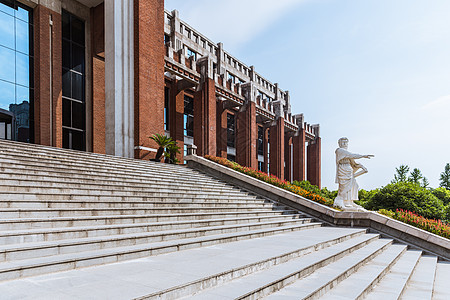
<point>163,141</point>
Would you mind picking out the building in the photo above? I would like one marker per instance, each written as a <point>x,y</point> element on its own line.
<point>98,76</point>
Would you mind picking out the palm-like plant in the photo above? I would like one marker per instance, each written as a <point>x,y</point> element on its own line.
<point>163,142</point>
<point>171,153</point>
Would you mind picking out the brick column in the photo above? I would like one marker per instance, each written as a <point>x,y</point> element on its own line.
<point>98,78</point>
<point>287,157</point>
<point>299,157</point>
<point>148,74</point>
<point>246,135</point>
<point>221,137</point>
<point>176,117</point>
<point>277,148</point>
<point>47,77</point>
<point>314,172</point>
<point>205,119</point>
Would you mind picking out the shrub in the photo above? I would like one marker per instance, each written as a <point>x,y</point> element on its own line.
<point>407,196</point>
<point>435,226</point>
<point>442,194</point>
<point>272,179</point>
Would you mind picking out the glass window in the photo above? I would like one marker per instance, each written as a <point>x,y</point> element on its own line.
<point>166,108</point>
<point>188,116</point>
<point>231,126</point>
<point>73,82</point>
<point>260,141</point>
<point>16,70</point>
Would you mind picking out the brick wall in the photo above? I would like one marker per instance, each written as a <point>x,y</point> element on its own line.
<point>98,78</point>
<point>47,77</point>
<point>149,73</point>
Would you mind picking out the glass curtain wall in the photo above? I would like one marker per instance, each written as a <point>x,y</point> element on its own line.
<point>16,72</point>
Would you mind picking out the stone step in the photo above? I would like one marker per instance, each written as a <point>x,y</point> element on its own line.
<point>441,284</point>
<point>27,204</point>
<point>55,234</point>
<point>309,276</point>
<point>31,186</point>
<point>391,286</point>
<point>31,150</point>
<point>13,252</point>
<point>18,193</point>
<point>108,198</point>
<point>420,285</point>
<point>79,164</point>
<point>63,178</point>
<point>89,172</point>
<point>27,223</point>
<point>72,212</point>
<point>357,285</point>
<point>76,259</point>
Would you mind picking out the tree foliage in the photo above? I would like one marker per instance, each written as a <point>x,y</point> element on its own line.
<point>402,174</point>
<point>415,176</point>
<point>443,194</point>
<point>445,177</point>
<point>407,196</point>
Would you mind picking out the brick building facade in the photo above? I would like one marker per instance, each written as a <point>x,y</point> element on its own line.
<point>100,77</point>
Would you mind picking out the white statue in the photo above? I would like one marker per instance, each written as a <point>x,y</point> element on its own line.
<point>346,172</point>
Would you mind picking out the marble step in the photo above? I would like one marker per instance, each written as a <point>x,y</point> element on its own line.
<point>441,289</point>
<point>311,275</point>
<point>27,223</point>
<point>357,285</point>
<point>57,234</point>
<point>64,177</point>
<point>75,259</point>
<point>391,286</point>
<point>22,193</point>
<point>15,169</point>
<point>420,285</point>
<point>28,204</point>
<point>31,186</point>
<point>71,212</point>
<point>144,168</point>
<point>33,150</point>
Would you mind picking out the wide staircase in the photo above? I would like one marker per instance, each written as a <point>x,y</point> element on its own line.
<point>77,225</point>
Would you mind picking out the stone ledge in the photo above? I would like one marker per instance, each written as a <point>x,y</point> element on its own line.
<point>408,234</point>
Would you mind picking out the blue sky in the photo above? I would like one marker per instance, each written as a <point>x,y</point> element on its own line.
<point>376,71</point>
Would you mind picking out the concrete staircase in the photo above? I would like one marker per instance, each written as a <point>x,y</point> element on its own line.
<point>157,231</point>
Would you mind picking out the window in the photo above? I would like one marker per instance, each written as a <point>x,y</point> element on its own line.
<point>231,136</point>
<point>16,72</point>
<point>190,53</point>
<point>231,157</point>
<point>188,116</point>
<point>261,166</point>
<point>166,39</point>
<point>73,82</point>
<point>232,78</point>
<point>166,108</point>
<point>260,141</point>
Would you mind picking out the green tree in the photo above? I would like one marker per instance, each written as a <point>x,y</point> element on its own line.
<point>445,177</point>
<point>408,196</point>
<point>402,173</point>
<point>425,182</point>
<point>443,194</point>
<point>415,176</point>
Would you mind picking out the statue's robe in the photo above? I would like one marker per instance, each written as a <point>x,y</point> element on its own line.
<point>345,170</point>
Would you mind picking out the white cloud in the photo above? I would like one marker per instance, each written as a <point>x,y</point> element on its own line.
<point>438,105</point>
<point>232,22</point>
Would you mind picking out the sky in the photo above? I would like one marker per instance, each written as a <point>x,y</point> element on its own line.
<point>374,71</point>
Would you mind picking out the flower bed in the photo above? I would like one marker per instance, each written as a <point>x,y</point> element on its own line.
<point>270,179</point>
<point>431,225</point>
